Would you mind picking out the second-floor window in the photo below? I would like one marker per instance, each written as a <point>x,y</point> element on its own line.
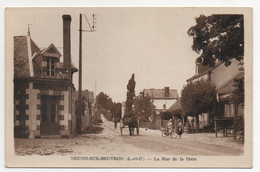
<point>50,66</point>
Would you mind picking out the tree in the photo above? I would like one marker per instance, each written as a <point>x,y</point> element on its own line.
<point>198,97</point>
<point>130,94</point>
<point>237,95</point>
<point>103,101</point>
<point>116,111</point>
<point>218,37</point>
<point>144,107</point>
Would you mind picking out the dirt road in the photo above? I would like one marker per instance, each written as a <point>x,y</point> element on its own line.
<point>110,143</point>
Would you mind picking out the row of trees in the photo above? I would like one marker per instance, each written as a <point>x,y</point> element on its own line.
<point>143,106</point>
<point>105,103</point>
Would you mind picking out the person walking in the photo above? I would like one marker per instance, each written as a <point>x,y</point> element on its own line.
<point>179,128</point>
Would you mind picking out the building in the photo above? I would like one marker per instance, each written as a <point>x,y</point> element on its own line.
<point>224,78</point>
<point>44,95</point>
<point>87,109</point>
<point>162,100</point>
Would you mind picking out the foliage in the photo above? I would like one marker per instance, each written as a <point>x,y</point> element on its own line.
<point>116,111</point>
<point>218,37</point>
<point>166,115</point>
<point>237,95</point>
<point>144,107</point>
<point>103,101</point>
<point>178,112</point>
<point>239,123</point>
<point>130,94</point>
<point>198,97</point>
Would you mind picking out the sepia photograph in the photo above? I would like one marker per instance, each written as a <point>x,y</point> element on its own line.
<point>153,87</point>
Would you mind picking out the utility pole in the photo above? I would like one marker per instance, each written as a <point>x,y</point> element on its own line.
<point>92,29</point>
<point>80,73</point>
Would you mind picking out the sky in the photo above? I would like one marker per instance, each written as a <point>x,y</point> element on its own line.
<point>151,42</point>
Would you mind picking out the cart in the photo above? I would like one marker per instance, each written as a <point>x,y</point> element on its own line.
<point>131,123</point>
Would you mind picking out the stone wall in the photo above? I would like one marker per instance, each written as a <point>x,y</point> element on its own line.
<point>34,112</point>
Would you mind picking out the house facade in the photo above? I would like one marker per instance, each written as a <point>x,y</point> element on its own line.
<point>162,98</point>
<point>224,78</point>
<point>44,95</point>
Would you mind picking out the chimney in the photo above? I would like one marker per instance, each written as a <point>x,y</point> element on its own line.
<point>167,91</point>
<point>66,45</point>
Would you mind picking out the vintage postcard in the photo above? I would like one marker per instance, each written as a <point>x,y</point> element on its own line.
<point>154,87</point>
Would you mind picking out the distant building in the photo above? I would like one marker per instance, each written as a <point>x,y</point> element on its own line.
<point>87,109</point>
<point>44,95</point>
<point>162,98</point>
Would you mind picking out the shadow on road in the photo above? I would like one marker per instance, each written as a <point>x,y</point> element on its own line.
<point>94,129</point>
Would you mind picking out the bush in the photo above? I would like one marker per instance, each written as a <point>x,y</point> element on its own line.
<point>239,126</point>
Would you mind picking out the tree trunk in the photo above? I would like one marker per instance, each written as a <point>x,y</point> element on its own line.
<point>197,123</point>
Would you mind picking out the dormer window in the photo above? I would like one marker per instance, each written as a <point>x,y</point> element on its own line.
<point>51,66</point>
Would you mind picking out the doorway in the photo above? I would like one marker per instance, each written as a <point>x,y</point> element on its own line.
<point>49,115</point>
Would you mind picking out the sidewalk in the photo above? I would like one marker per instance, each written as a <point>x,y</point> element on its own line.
<point>208,138</point>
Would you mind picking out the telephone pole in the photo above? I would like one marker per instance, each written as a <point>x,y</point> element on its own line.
<point>92,29</point>
<point>80,74</point>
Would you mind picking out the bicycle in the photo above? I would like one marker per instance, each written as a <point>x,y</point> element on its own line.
<point>172,134</point>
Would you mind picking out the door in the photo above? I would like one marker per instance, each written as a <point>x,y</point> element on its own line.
<point>49,115</point>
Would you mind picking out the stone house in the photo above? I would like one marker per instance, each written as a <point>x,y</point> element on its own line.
<point>44,95</point>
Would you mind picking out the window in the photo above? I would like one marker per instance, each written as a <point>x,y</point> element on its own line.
<point>50,66</point>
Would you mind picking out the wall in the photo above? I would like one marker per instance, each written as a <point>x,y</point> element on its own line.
<point>158,103</point>
<point>64,112</point>
<point>33,112</point>
<point>73,121</point>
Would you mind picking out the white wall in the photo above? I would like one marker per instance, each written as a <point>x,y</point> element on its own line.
<point>158,103</point>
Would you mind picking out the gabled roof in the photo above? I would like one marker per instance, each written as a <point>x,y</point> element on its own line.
<point>51,51</point>
<point>22,54</point>
<point>204,72</point>
<point>38,53</point>
<point>176,105</point>
<point>160,93</point>
<point>228,87</point>
<point>34,47</point>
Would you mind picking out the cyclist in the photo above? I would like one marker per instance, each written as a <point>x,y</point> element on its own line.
<point>169,126</point>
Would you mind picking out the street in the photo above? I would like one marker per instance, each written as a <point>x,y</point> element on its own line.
<point>109,142</point>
